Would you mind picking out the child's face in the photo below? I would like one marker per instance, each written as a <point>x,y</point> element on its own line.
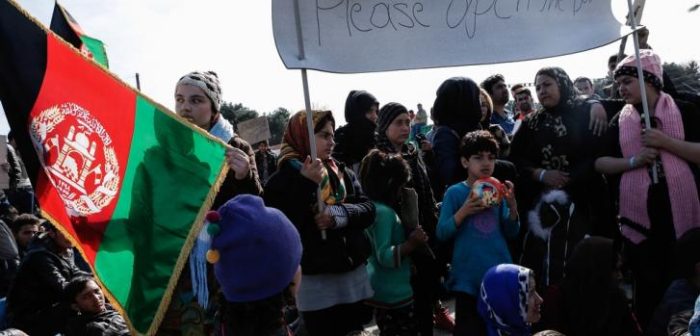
<point>90,300</point>
<point>480,165</point>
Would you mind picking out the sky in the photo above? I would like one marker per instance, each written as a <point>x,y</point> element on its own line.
<point>165,39</point>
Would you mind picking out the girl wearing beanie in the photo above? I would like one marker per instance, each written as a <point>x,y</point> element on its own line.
<point>334,277</point>
<point>198,100</point>
<point>653,216</point>
<point>392,132</point>
<point>383,178</point>
<point>356,138</point>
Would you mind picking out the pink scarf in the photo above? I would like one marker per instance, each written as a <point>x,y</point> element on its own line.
<point>685,205</point>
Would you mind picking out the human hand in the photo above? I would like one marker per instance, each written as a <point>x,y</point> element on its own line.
<point>426,146</point>
<point>645,157</point>
<point>599,119</point>
<point>510,194</point>
<point>474,204</point>
<point>654,138</point>
<point>312,170</point>
<point>239,162</point>
<point>324,220</point>
<point>555,179</point>
<point>417,237</point>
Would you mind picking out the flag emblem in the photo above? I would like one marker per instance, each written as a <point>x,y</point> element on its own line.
<point>77,157</point>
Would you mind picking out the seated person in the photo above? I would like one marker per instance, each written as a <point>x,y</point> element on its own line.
<point>95,317</point>
<point>38,288</point>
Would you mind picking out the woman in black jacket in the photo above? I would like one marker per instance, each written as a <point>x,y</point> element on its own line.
<point>334,279</point>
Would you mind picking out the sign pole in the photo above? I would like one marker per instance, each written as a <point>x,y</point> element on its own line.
<point>307,104</point>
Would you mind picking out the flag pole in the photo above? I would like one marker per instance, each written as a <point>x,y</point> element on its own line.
<point>640,77</point>
<point>635,12</point>
<point>307,104</point>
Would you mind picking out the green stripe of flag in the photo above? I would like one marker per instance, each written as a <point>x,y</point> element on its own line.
<point>171,168</point>
<point>97,48</point>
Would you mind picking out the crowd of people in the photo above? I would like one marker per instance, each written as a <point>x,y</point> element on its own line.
<point>565,217</point>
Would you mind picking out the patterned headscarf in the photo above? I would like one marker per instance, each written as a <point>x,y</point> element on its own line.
<point>567,93</point>
<point>503,300</point>
<point>295,142</point>
<point>208,81</point>
<point>295,149</point>
<point>651,67</point>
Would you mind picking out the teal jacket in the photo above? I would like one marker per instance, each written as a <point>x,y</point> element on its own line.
<point>389,273</point>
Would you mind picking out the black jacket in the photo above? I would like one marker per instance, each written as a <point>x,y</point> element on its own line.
<point>38,289</point>
<point>107,323</point>
<point>345,248</point>
<point>265,157</point>
<point>248,185</point>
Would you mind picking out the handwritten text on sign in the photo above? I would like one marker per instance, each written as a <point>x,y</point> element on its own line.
<point>377,35</point>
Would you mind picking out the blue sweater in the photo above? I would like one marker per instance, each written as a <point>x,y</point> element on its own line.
<point>480,241</point>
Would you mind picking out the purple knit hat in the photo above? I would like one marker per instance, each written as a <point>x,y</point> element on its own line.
<point>255,249</point>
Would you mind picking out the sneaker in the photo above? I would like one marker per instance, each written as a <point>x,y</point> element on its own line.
<point>443,320</point>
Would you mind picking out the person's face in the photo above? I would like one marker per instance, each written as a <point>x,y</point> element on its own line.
<point>399,129</point>
<point>325,142</point>
<point>25,235</point>
<point>262,147</point>
<point>534,302</point>
<point>629,89</point>
<point>500,93</point>
<point>484,107</point>
<point>523,101</point>
<point>584,87</point>
<point>480,165</point>
<point>90,300</point>
<point>371,115</point>
<point>611,68</point>
<point>192,104</point>
<point>547,91</point>
<point>61,240</point>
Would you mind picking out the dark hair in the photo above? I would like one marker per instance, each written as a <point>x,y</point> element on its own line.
<point>516,87</point>
<point>383,175</point>
<point>489,82</point>
<point>594,304</point>
<point>489,110</point>
<point>688,253</point>
<point>457,105</point>
<point>257,318</point>
<point>476,142</point>
<point>613,58</point>
<point>24,219</point>
<point>74,287</point>
<point>322,122</point>
<point>582,79</point>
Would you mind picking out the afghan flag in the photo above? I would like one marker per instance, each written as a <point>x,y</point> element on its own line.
<point>63,24</point>
<point>128,181</point>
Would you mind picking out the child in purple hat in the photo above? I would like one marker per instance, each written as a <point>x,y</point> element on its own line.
<point>256,252</point>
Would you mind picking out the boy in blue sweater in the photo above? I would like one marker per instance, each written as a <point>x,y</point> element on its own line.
<point>479,231</point>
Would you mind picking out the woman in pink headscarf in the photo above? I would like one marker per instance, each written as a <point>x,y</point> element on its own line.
<point>653,215</point>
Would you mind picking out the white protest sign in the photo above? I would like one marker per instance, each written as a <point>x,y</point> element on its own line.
<point>254,130</point>
<point>349,36</point>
